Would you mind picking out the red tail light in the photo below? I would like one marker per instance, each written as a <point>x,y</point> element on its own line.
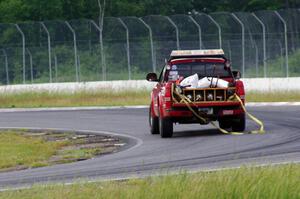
<point>167,96</point>
<point>240,91</point>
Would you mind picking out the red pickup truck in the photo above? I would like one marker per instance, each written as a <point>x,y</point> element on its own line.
<point>211,103</point>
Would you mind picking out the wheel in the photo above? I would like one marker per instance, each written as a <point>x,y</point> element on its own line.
<point>224,124</point>
<point>166,127</point>
<point>154,123</point>
<point>239,124</point>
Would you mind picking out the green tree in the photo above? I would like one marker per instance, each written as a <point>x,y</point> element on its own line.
<point>35,10</point>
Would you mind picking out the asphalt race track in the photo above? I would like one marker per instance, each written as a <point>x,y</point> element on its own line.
<point>192,148</point>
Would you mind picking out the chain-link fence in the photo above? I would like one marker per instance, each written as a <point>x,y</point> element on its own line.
<point>259,44</point>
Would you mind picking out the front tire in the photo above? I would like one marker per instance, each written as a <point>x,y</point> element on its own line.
<point>154,123</point>
<point>166,127</point>
<point>239,125</point>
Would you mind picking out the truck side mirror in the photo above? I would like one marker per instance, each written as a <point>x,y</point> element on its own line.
<point>152,77</point>
<point>237,74</point>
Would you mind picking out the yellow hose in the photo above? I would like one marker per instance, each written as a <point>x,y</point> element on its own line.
<point>235,97</point>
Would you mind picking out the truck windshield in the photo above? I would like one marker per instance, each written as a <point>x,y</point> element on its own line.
<point>202,69</point>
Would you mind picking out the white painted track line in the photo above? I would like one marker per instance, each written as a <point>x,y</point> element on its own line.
<point>11,110</point>
<point>253,104</point>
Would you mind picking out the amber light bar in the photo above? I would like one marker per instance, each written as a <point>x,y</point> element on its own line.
<point>185,53</point>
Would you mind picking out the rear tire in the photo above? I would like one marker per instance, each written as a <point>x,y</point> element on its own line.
<point>154,123</point>
<point>166,127</point>
<point>224,124</point>
<point>239,125</point>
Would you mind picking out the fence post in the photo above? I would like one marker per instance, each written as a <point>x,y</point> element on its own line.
<point>218,26</point>
<point>49,51</point>
<point>243,42</point>
<point>229,50</point>
<point>264,43</point>
<point>256,58</point>
<point>128,47</point>
<point>101,50</point>
<point>151,44</point>
<point>31,64</point>
<point>6,66</point>
<point>286,43</point>
<point>79,66</point>
<point>199,31</point>
<point>176,29</point>
<point>24,52</point>
<point>103,61</point>
<point>55,66</point>
<point>281,53</point>
<point>75,49</point>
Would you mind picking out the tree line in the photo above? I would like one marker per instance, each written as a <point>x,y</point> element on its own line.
<point>39,10</point>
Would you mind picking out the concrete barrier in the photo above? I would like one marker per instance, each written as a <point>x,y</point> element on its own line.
<point>272,84</point>
<point>115,86</point>
<point>254,84</point>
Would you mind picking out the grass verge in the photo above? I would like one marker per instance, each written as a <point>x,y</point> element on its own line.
<point>21,150</point>
<point>288,96</point>
<point>102,98</point>
<point>267,182</point>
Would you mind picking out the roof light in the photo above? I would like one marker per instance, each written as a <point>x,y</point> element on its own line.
<point>182,53</point>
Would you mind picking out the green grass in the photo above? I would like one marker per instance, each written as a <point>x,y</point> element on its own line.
<point>269,182</point>
<point>19,150</point>
<point>101,98</point>
<point>104,98</point>
<point>289,96</point>
<point>22,149</point>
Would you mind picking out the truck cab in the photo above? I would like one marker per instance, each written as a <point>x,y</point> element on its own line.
<point>211,102</point>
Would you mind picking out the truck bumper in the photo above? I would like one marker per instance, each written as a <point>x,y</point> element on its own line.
<point>216,110</point>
